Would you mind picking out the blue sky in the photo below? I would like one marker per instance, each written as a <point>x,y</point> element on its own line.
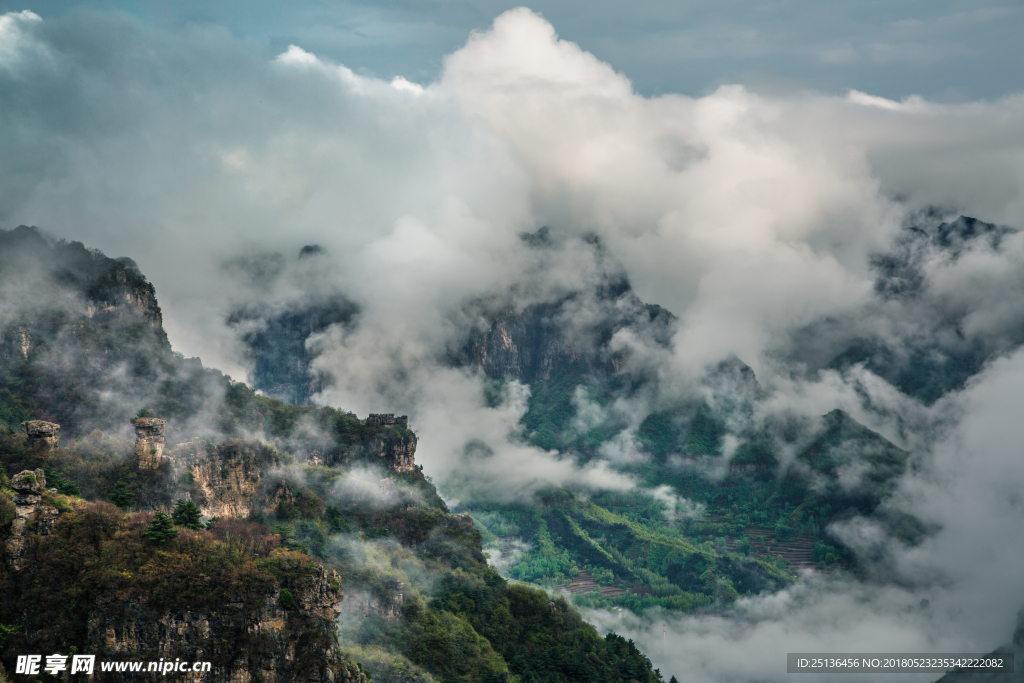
<point>943,50</point>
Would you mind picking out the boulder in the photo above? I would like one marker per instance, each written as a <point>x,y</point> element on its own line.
<point>28,482</point>
<point>42,433</point>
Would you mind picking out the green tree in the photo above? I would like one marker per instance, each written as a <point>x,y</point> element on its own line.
<point>187,514</point>
<point>121,496</point>
<point>145,412</point>
<point>288,600</point>
<point>55,480</point>
<point>288,538</point>
<point>161,529</point>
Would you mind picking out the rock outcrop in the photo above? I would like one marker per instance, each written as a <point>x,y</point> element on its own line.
<point>388,420</point>
<point>573,333</point>
<point>287,636</point>
<point>386,605</point>
<point>226,477</point>
<point>29,483</point>
<point>395,452</point>
<point>149,441</point>
<point>41,433</point>
<point>32,516</point>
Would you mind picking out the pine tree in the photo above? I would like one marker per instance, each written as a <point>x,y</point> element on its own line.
<point>187,514</point>
<point>161,529</point>
<point>121,497</point>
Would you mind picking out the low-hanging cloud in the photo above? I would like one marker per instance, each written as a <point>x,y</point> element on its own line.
<point>957,591</point>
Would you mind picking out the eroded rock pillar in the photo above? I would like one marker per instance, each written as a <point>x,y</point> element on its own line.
<point>28,489</point>
<point>40,433</point>
<point>149,441</point>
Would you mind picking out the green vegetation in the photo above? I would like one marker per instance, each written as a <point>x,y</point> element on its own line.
<point>435,609</point>
<point>99,565</point>
<point>121,497</point>
<point>443,614</point>
<point>723,534</point>
<point>161,529</point>
<point>187,514</point>
<point>55,479</point>
<point>651,562</point>
<point>287,599</point>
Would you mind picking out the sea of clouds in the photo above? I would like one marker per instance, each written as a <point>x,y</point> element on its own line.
<point>749,216</point>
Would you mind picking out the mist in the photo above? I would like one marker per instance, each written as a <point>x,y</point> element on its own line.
<point>757,219</point>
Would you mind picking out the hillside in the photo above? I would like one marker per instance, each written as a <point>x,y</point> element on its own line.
<point>292,506</point>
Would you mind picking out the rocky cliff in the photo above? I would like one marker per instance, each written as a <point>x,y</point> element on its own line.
<point>33,515</point>
<point>149,441</point>
<point>256,612</point>
<point>283,635</point>
<point>226,477</point>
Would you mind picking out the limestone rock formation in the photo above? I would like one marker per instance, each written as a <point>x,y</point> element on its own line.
<point>395,447</point>
<point>279,641</point>
<point>31,514</point>
<point>388,420</point>
<point>397,453</point>
<point>386,605</point>
<point>41,433</point>
<point>28,482</point>
<point>226,477</point>
<point>149,441</point>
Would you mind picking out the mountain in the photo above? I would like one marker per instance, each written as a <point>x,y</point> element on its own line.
<point>937,348</point>
<point>82,342</point>
<point>276,541</point>
<point>705,526</point>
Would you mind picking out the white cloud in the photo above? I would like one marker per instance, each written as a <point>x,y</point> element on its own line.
<point>17,42</point>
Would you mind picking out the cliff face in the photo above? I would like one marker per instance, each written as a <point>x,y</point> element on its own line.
<point>82,340</point>
<point>395,451</point>
<point>286,635</point>
<point>226,477</point>
<point>256,612</point>
<point>82,284</point>
<point>541,340</point>
<point>149,441</point>
<point>522,345</point>
<point>124,289</point>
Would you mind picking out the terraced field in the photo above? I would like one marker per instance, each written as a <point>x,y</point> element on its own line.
<point>584,583</point>
<point>798,551</point>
